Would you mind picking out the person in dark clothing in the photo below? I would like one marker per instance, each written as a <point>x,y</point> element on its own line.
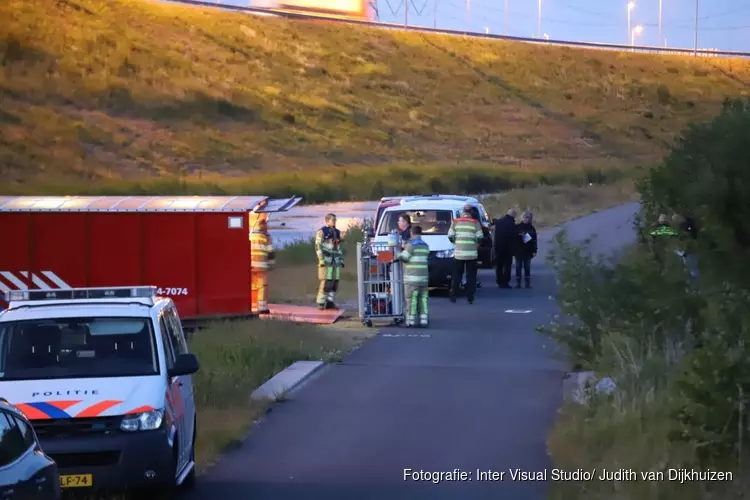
<point>662,238</point>
<point>404,229</point>
<point>687,234</point>
<point>526,248</point>
<point>505,242</point>
<point>687,225</point>
<point>475,214</point>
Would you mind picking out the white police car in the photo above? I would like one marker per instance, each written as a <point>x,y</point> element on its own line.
<point>104,375</point>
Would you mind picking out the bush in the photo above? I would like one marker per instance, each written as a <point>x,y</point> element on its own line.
<point>706,176</point>
<point>676,346</point>
<point>625,296</point>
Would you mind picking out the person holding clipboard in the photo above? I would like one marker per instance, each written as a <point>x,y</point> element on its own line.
<point>526,248</point>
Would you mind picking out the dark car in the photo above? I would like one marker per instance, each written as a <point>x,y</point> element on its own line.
<point>25,471</point>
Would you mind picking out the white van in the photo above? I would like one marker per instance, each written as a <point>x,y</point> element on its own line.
<point>104,375</point>
<point>435,213</point>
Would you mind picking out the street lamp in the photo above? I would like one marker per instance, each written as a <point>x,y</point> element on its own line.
<point>636,31</point>
<point>631,6</point>
<point>660,9</point>
<point>539,20</point>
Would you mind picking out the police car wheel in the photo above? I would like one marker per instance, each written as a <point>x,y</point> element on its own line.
<point>166,491</point>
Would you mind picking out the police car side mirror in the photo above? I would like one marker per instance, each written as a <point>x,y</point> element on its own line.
<point>370,233</point>
<point>186,364</point>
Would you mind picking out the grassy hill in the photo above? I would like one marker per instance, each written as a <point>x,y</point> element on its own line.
<point>128,95</point>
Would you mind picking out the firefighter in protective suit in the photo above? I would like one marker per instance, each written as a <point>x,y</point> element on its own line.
<point>330,262</point>
<point>261,259</point>
<point>416,277</point>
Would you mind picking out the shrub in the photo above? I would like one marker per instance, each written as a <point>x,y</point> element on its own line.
<point>706,176</point>
<point>677,348</point>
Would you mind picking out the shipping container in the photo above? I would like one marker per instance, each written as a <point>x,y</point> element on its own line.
<point>195,249</point>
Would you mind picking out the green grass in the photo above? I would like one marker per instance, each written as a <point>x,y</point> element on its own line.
<point>553,205</point>
<point>236,358</point>
<point>129,96</point>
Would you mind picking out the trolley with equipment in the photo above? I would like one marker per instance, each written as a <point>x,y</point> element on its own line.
<point>380,283</point>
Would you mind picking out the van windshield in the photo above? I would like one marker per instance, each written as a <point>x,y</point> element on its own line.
<point>433,222</point>
<point>77,348</point>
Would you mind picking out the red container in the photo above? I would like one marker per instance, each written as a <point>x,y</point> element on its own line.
<point>196,249</point>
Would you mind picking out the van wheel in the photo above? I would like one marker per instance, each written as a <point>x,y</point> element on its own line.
<point>189,482</point>
<point>165,491</point>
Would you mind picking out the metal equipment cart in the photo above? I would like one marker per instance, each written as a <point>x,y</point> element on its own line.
<point>380,284</point>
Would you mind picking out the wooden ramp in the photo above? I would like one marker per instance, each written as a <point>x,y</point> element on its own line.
<point>303,314</point>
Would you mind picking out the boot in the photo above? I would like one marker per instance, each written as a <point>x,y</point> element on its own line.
<point>518,281</point>
<point>528,282</point>
<point>321,307</point>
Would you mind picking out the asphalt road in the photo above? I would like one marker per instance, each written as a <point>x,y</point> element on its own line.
<point>479,392</point>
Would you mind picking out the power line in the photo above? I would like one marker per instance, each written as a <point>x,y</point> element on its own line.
<point>726,13</point>
<point>566,22</point>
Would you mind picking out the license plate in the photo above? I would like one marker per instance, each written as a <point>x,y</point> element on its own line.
<point>77,481</point>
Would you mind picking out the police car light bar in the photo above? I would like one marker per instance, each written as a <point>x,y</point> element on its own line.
<point>118,292</point>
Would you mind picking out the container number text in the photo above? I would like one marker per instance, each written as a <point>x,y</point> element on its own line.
<point>172,291</point>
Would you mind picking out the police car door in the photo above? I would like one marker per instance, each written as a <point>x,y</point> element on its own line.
<point>175,406</point>
<point>179,344</point>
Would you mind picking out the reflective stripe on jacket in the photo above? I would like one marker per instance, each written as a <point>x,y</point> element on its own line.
<point>664,231</point>
<point>328,247</point>
<point>466,233</point>
<point>261,250</point>
<point>415,257</point>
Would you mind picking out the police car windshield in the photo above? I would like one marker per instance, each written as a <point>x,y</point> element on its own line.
<point>77,348</point>
<point>433,222</point>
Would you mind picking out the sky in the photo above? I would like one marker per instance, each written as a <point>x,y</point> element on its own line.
<point>722,24</point>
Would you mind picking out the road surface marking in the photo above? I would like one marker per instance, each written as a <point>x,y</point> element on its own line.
<point>410,335</point>
<point>518,311</point>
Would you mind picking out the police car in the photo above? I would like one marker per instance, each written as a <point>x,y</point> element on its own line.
<point>104,375</point>
<point>434,213</point>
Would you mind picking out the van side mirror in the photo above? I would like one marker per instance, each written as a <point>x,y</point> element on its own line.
<point>369,232</point>
<point>185,364</point>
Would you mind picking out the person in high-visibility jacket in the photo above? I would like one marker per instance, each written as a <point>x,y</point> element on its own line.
<point>416,277</point>
<point>466,233</point>
<point>330,261</point>
<point>262,257</point>
<point>663,239</point>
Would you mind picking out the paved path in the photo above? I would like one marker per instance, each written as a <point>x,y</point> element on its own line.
<point>479,393</point>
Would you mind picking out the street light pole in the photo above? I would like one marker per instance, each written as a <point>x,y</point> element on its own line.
<point>468,15</point>
<point>660,8</point>
<point>635,32</point>
<point>505,18</point>
<point>539,20</point>
<point>695,46</point>
<point>631,6</point>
